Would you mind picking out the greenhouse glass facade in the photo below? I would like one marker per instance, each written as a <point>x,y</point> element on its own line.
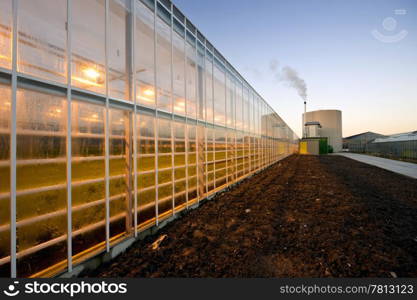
<point>115,115</point>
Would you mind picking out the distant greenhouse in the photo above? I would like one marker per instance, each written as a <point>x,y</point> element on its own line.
<point>396,146</point>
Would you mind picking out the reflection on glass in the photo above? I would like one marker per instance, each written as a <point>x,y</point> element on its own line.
<point>5,98</point>
<point>178,73</point>
<point>118,53</point>
<point>239,105</point>
<point>200,85</point>
<point>146,168</point>
<point>230,101</point>
<point>163,62</point>
<point>191,86</point>
<point>219,95</point>
<point>41,158</point>
<point>201,161</point>
<point>120,169</point>
<point>5,34</point>
<point>209,89</point>
<point>220,157</point>
<point>179,163</point>
<point>88,183</point>
<point>144,55</point>
<point>42,39</point>
<point>88,45</point>
<point>192,163</point>
<point>165,166</point>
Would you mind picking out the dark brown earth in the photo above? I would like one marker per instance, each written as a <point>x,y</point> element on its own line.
<point>309,216</point>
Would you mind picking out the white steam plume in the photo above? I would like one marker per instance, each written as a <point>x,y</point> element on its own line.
<point>290,76</point>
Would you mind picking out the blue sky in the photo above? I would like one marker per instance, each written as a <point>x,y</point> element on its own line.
<point>330,44</point>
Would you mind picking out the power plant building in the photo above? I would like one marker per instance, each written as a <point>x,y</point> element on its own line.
<point>324,123</point>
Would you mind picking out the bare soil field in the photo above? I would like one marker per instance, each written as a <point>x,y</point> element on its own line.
<point>305,216</point>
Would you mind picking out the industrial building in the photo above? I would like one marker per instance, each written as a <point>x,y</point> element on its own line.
<point>397,146</point>
<point>359,142</point>
<point>114,116</point>
<point>326,124</point>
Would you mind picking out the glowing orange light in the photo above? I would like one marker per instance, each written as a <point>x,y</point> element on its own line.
<point>91,73</point>
<point>180,102</point>
<point>148,92</point>
<point>4,57</point>
<point>178,108</point>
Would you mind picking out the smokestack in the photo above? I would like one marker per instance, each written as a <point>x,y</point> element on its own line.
<point>304,119</point>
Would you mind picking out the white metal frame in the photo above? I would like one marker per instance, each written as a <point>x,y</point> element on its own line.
<point>69,137</point>
<point>265,145</point>
<point>13,148</point>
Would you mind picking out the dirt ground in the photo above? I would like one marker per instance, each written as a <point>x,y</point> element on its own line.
<point>305,216</point>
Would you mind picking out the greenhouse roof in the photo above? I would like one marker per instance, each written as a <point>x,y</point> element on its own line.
<point>400,137</point>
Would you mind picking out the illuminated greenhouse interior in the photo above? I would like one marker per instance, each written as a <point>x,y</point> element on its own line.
<point>115,115</point>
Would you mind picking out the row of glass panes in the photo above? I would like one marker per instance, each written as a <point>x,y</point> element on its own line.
<point>190,81</point>
<point>98,216</point>
<point>168,175</point>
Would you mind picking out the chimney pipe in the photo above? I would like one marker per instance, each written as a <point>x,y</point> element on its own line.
<point>304,119</point>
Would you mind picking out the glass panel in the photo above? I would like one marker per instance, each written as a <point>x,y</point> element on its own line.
<point>146,168</point>
<point>178,73</point>
<point>191,160</point>
<point>145,55</point>
<point>5,98</point>
<point>230,101</point>
<point>245,107</point>
<point>165,162</point>
<point>119,34</point>
<point>239,105</point>
<point>88,173</point>
<point>41,180</point>
<point>201,160</point>
<point>231,162</point>
<point>200,85</point>
<point>6,21</point>
<point>220,157</point>
<point>120,171</point>
<point>191,81</point>
<point>42,39</point>
<point>88,45</point>
<point>219,96</point>
<point>209,90</point>
<point>163,63</point>
<point>210,159</point>
<point>179,163</point>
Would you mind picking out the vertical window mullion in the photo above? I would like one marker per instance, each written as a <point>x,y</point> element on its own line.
<point>69,139</point>
<point>172,116</point>
<point>107,131</point>
<point>13,140</point>
<point>205,119</point>
<point>133,99</point>
<point>156,123</point>
<point>196,117</point>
